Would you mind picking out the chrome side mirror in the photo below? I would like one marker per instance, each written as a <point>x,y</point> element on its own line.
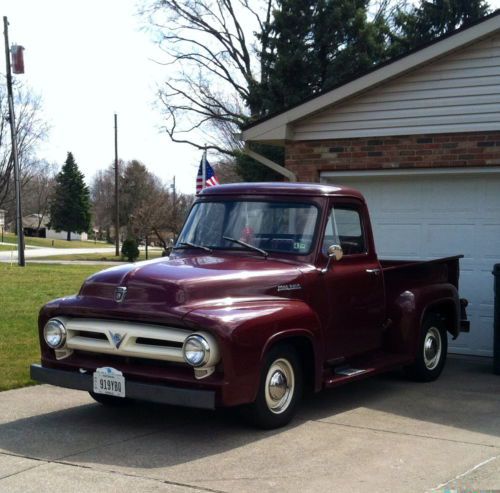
<point>336,253</point>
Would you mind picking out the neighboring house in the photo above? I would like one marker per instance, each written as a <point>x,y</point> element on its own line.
<point>35,225</point>
<point>420,137</point>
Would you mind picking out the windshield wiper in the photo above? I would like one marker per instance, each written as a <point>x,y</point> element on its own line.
<point>247,245</point>
<point>193,245</point>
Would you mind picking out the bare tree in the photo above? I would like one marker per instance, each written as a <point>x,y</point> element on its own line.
<point>215,60</point>
<point>37,190</point>
<point>102,194</point>
<point>31,130</point>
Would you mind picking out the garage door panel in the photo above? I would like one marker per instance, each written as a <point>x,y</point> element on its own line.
<point>439,192</point>
<point>491,198</point>
<point>398,240</point>
<point>390,200</point>
<point>424,217</point>
<point>489,242</point>
<point>440,236</point>
<point>467,288</point>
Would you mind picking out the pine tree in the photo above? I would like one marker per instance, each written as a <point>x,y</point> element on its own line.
<point>431,19</point>
<point>70,206</point>
<point>315,45</point>
<point>312,46</point>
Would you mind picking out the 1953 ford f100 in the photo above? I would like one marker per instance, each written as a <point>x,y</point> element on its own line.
<point>271,289</point>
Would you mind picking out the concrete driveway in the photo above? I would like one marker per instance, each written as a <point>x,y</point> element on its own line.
<point>383,434</point>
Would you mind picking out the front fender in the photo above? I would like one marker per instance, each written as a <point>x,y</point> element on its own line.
<point>245,331</point>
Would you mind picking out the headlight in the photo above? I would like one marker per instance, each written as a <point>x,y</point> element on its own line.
<point>196,350</point>
<point>54,333</point>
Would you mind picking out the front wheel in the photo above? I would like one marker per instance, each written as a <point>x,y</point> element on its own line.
<point>431,353</point>
<point>280,389</point>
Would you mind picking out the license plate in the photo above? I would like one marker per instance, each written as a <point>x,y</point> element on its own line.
<point>109,381</point>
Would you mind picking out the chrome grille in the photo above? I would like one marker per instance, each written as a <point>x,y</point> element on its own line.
<point>125,338</point>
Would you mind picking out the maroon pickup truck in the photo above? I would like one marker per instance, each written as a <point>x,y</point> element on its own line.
<point>271,289</point>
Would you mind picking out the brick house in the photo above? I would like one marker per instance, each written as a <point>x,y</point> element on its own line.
<point>420,137</point>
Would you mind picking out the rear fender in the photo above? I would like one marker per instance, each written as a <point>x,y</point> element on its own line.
<point>409,309</point>
<point>245,331</point>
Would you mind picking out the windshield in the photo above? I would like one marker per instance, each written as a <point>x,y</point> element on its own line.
<point>284,227</point>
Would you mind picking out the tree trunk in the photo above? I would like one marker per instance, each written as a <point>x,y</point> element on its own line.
<point>68,237</point>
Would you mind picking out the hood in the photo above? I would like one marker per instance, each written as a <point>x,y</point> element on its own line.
<point>183,283</point>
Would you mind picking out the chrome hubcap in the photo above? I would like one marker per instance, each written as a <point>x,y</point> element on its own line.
<point>432,348</point>
<point>280,386</point>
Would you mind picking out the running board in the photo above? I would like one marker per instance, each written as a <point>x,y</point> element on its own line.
<point>363,367</point>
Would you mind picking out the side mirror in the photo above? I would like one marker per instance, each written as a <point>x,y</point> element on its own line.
<point>336,253</point>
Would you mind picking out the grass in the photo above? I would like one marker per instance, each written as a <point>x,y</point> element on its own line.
<point>7,248</point>
<point>104,257</point>
<point>50,243</point>
<point>22,293</point>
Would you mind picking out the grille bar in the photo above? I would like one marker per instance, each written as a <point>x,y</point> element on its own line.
<point>120,338</point>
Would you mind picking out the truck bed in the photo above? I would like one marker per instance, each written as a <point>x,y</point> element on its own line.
<point>401,274</point>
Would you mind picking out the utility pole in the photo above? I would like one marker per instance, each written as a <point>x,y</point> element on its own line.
<point>117,202</point>
<point>14,154</point>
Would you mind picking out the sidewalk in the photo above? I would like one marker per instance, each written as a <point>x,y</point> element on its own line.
<point>46,252</point>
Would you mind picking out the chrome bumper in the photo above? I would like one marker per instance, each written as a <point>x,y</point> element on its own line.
<point>203,399</point>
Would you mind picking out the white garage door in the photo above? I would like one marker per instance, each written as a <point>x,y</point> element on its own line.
<point>429,216</point>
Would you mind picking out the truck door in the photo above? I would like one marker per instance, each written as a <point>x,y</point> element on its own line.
<point>354,286</point>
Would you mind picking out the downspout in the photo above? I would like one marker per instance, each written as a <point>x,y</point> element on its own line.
<point>270,164</point>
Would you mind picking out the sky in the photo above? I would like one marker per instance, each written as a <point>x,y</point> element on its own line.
<point>89,60</point>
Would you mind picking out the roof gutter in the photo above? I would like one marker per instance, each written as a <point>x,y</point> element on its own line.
<point>270,164</point>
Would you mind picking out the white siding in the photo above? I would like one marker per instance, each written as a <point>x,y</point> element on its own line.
<point>458,93</point>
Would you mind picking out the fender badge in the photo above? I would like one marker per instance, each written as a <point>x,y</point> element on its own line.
<point>120,294</point>
<point>289,287</point>
<point>117,338</point>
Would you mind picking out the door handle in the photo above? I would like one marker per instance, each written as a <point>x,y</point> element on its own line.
<point>374,272</point>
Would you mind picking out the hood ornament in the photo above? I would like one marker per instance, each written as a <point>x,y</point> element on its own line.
<point>120,294</point>
<point>117,338</point>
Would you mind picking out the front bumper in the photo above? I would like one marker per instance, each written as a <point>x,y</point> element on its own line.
<point>203,399</point>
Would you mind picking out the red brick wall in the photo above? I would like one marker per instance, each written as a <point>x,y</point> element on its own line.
<point>308,158</point>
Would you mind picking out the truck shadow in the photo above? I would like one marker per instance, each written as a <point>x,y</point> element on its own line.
<point>466,399</point>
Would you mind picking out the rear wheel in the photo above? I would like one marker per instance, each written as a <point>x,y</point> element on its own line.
<point>280,389</point>
<point>432,349</point>
<point>109,400</point>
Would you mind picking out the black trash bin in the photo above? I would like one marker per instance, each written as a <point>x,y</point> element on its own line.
<point>496,323</point>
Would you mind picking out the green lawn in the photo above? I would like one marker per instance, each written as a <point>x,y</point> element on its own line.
<point>104,257</point>
<point>7,248</point>
<point>47,242</point>
<point>22,292</point>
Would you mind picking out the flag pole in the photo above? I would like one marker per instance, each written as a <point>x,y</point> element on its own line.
<point>204,169</point>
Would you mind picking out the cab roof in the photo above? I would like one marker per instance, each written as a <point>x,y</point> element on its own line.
<point>281,188</point>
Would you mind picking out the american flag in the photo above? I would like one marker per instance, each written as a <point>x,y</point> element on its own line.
<point>210,179</point>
